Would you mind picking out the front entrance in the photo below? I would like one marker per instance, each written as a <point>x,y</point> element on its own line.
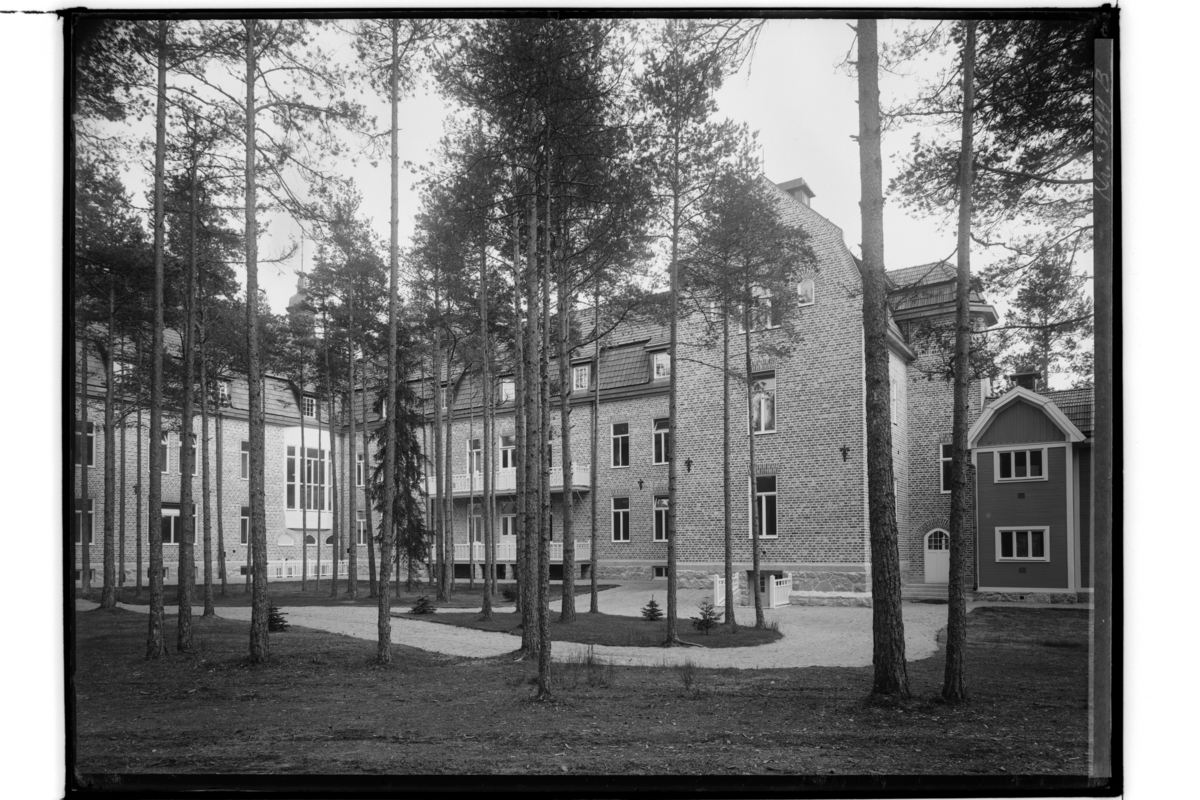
<point>937,556</point>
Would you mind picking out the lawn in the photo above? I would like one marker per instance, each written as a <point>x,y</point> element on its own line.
<point>610,629</point>
<point>288,593</point>
<point>323,706</point>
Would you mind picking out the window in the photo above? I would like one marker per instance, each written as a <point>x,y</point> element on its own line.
<point>442,396</point>
<point>662,366</point>
<point>581,378</point>
<point>508,452</point>
<point>620,519</point>
<point>475,455</point>
<point>223,393</point>
<point>766,313</point>
<point>164,453</point>
<point>91,575</point>
<point>806,293</point>
<point>309,404</point>
<point>475,523</point>
<point>246,461</point>
<point>310,540</point>
<point>508,519</point>
<point>285,540</point>
<point>172,530</point>
<point>359,463</point>
<point>245,525</point>
<point>309,485</point>
<point>620,444</point>
<point>947,452</point>
<point>662,508</point>
<point>894,404</point>
<point>1027,544</point>
<point>89,444</point>
<point>662,441</point>
<point>765,498</point>
<point>763,408</point>
<point>360,527</point>
<point>91,507</point>
<point>508,390</point>
<point>661,572</point>
<point>195,456</point>
<point>1021,465</point>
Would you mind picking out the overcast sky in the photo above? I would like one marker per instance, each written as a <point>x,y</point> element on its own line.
<point>791,91</point>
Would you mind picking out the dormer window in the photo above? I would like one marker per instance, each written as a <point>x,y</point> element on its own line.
<point>661,363</point>
<point>309,404</point>
<point>581,378</point>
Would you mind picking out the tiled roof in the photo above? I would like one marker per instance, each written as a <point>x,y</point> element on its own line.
<point>1079,406</point>
<point>922,274</point>
<point>626,365</point>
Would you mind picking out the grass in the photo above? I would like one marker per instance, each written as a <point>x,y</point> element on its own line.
<point>288,594</point>
<point>322,706</point>
<point>610,629</point>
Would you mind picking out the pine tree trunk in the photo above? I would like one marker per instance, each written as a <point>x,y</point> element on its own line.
<point>439,465</point>
<point>155,642</point>
<point>760,621</point>
<point>124,490</point>
<point>891,672</point>
<point>367,510</point>
<point>383,654</point>
<point>726,469</point>
<point>85,520</point>
<point>954,687</point>
<point>108,594</point>
<point>222,571</point>
<point>260,651</point>
<point>206,484</point>
<point>187,450</point>
<point>301,465</point>
<point>137,523</point>
<point>335,549</point>
<point>520,451</point>
<point>672,416</point>
<point>448,497</point>
<point>567,614</point>
<point>352,473</point>
<point>594,607</point>
<point>530,606</point>
<point>543,584</point>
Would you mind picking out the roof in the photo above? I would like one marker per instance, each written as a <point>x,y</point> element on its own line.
<point>798,183</point>
<point>1047,406</point>
<point>921,274</point>
<point>1079,406</point>
<point>930,289</point>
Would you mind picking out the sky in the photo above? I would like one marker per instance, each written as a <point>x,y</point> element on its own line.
<point>791,91</point>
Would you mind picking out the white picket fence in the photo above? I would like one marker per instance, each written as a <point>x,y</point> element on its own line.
<point>506,551</point>
<point>778,590</point>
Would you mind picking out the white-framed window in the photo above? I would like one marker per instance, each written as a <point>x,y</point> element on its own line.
<point>661,572</point>
<point>245,461</point>
<point>164,453</point>
<point>360,463</point>
<point>763,409</point>
<point>508,519</point>
<point>442,396</point>
<point>765,496</point>
<point>360,527</point>
<point>894,402</point>
<point>662,509</point>
<point>244,525</point>
<point>224,391</point>
<point>475,523</point>
<point>662,441</point>
<point>79,520</point>
<point>1023,544</point>
<point>581,378</point>
<point>309,489</point>
<point>620,519</point>
<point>172,529</point>
<point>475,455</point>
<point>947,458</point>
<point>309,404</point>
<point>1021,465</point>
<point>89,443</point>
<point>508,451</point>
<point>767,312</point>
<point>937,540</point>
<point>383,408</point>
<point>620,444</point>
<point>285,540</point>
<point>661,363</point>
<point>508,390</point>
<point>806,292</point>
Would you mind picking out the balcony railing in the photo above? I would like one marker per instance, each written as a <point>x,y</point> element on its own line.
<point>466,483</point>
<point>506,551</point>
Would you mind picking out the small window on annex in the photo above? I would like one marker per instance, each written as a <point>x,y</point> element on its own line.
<point>661,366</point>
<point>309,404</point>
<point>581,378</point>
<point>1020,465</point>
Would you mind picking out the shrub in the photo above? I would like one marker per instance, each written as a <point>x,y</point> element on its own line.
<point>510,592</point>
<point>275,619</point>
<point>423,606</point>
<point>709,618</point>
<point>688,674</point>
<point>651,611</point>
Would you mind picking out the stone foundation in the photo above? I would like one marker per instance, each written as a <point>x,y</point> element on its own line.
<point>611,572</point>
<point>829,582</point>
<point>695,579</point>
<point>1053,598</point>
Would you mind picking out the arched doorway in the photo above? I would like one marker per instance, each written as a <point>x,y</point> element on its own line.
<point>937,556</point>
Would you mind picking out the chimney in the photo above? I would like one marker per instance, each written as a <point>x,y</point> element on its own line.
<point>799,190</point>
<point>1026,379</point>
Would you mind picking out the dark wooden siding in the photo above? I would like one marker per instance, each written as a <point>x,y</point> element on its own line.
<point>1044,504</point>
<point>1085,516</point>
<point>1021,422</point>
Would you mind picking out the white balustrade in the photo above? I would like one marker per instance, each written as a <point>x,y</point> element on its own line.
<point>467,484</point>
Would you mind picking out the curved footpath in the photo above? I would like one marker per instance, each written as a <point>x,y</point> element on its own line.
<point>813,636</point>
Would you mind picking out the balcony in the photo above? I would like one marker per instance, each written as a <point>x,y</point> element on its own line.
<point>505,482</point>
<point>506,551</point>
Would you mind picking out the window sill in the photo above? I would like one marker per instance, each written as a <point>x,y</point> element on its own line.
<point>659,463</point>
<point>622,466</point>
<point>1021,480</point>
<point>766,433</point>
<point>1002,560</point>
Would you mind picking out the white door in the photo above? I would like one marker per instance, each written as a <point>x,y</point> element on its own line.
<point>937,557</point>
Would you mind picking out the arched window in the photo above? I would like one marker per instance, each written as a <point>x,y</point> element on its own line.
<point>937,540</point>
<point>285,540</point>
<point>310,540</point>
<point>806,294</point>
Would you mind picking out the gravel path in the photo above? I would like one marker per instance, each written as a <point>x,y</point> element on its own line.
<point>813,636</point>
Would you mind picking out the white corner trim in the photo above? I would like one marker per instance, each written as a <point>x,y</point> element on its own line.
<point>1020,393</point>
